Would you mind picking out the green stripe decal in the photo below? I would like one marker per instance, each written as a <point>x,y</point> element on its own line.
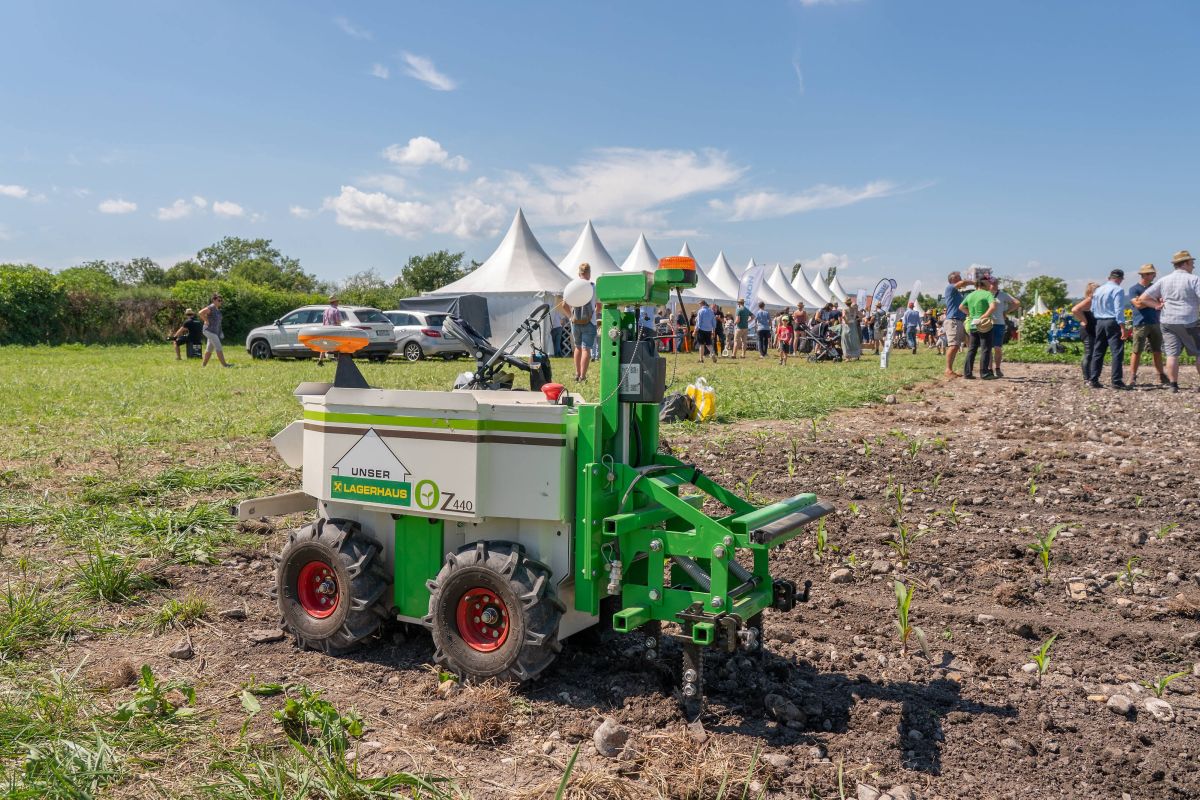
<point>438,422</point>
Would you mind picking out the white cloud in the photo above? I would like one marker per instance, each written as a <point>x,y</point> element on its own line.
<point>227,208</point>
<point>377,211</point>
<point>470,217</point>
<point>179,209</point>
<point>822,263</point>
<point>199,201</point>
<point>799,74</point>
<point>380,71</point>
<point>81,192</point>
<point>12,190</point>
<point>422,69</point>
<point>422,150</point>
<point>350,29</point>
<point>767,204</point>
<point>300,212</point>
<point>390,183</point>
<point>116,206</point>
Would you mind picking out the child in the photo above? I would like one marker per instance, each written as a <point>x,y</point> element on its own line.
<point>730,331</point>
<point>784,335</point>
<point>941,339</point>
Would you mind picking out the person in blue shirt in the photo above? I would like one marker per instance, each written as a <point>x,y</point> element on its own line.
<point>762,321</point>
<point>706,323</point>
<point>956,320</point>
<point>1108,307</point>
<point>1147,333</point>
<point>912,323</point>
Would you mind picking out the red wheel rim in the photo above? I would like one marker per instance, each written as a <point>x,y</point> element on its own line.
<point>482,619</point>
<point>317,589</point>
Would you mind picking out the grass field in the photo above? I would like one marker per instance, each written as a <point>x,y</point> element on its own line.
<point>117,465</point>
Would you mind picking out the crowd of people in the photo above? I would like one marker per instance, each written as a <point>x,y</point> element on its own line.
<point>1157,315</point>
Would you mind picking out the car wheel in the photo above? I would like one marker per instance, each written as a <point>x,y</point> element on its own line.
<point>260,349</point>
<point>412,351</point>
<point>378,358</point>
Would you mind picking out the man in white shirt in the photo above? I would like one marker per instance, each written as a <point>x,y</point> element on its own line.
<point>1177,296</point>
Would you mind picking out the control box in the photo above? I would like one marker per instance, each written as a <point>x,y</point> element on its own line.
<point>643,373</point>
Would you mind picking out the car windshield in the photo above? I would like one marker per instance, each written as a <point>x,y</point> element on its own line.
<point>434,320</point>
<point>371,315</point>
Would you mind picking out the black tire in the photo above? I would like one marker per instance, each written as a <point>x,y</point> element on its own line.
<point>260,349</point>
<point>412,352</point>
<point>378,358</point>
<point>530,613</point>
<point>350,560</point>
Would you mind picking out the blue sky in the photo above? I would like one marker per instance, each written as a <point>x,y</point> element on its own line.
<point>892,137</point>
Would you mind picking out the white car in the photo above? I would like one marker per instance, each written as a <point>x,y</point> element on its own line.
<point>280,339</point>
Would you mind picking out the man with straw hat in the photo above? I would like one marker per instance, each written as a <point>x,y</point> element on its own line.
<point>1177,296</point>
<point>1147,333</point>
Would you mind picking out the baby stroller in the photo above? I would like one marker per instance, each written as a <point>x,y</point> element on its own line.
<point>489,359</point>
<point>824,343</point>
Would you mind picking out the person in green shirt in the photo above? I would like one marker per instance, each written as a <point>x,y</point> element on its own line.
<point>741,328</point>
<point>978,306</point>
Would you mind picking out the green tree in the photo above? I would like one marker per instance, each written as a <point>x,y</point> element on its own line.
<point>255,261</point>
<point>432,271</point>
<point>369,288</point>
<point>188,270</point>
<point>1052,290</point>
<point>926,301</point>
<point>141,271</point>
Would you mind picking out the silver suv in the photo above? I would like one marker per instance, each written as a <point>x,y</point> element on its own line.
<point>419,335</point>
<point>280,339</point>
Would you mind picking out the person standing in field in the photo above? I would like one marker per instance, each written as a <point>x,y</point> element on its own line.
<point>955,323</point>
<point>912,324</point>
<point>977,308</point>
<point>211,315</point>
<point>331,317</point>
<point>706,323</point>
<point>1147,333</point>
<point>191,333</point>
<point>718,331</point>
<point>1082,311</point>
<point>741,331</point>
<point>762,319</point>
<point>851,341</point>
<point>1108,306</point>
<point>1005,304</point>
<point>730,336</point>
<point>783,334</point>
<point>583,328</point>
<point>1177,296</point>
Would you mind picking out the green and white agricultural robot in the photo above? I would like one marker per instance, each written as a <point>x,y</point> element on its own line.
<point>505,522</point>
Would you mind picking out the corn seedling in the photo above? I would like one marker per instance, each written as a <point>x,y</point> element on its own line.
<point>1129,575</point>
<point>1033,487</point>
<point>866,449</point>
<point>823,544</point>
<point>1137,501</point>
<point>852,561</point>
<point>1042,548</point>
<point>897,492</point>
<point>1165,530</point>
<point>1159,685</point>
<point>841,480</point>
<point>853,508</point>
<point>936,482</point>
<point>1042,656</point>
<point>904,626</point>
<point>903,541</point>
<point>914,448</point>
<point>791,465</point>
<point>947,635</point>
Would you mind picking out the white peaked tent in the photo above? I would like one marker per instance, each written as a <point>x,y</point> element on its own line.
<point>765,293</point>
<point>836,288</point>
<point>1039,305</point>
<point>779,284</point>
<point>704,289</point>
<point>804,288</point>
<point>588,248</point>
<point>822,290</point>
<point>722,274</point>
<point>641,257</point>
<point>515,279</point>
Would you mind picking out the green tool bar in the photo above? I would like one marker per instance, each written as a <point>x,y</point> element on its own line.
<point>437,422</point>
<point>745,523</point>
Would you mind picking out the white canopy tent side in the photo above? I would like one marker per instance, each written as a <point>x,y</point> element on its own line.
<point>590,250</point>
<point>722,274</point>
<point>822,290</point>
<point>779,284</point>
<point>804,288</point>
<point>836,288</point>
<point>515,279</point>
<point>704,289</point>
<point>641,257</point>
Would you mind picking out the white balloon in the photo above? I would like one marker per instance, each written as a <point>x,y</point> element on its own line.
<point>578,293</point>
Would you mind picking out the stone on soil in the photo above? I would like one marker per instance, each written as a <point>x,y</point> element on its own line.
<point>610,738</point>
<point>181,651</point>
<point>840,576</point>
<point>266,635</point>
<point>1120,704</point>
<point>1161,710</point>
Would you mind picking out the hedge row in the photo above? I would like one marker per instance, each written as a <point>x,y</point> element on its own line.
<point>41,307</point>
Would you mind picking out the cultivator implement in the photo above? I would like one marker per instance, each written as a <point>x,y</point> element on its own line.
<point>500,520</point>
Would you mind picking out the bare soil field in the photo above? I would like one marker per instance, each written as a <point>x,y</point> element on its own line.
<point>968,475</point>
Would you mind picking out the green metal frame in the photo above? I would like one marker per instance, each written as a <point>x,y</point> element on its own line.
<point>635,514</point>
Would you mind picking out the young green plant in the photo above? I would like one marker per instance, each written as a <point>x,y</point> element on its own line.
<point>1130,574</point>
<point>1159,685</point>
<point>904,626</point>
<point>1043,546</point>
<point>1042,656</point>
<point>903,541</point>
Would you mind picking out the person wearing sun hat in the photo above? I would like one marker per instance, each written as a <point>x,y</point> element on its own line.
<point>1177,296</point>
<point>1147,333</point>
